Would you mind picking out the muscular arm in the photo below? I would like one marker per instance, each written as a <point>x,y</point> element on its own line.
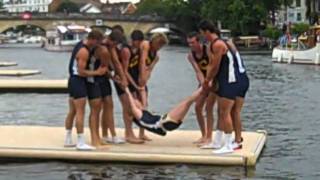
<point>82,58</point>
<point>142,63</point>
<point>218,50</point>
<point>105,57</point>
<point>196,68</point>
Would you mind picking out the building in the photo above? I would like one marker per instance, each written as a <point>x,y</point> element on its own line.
<point>14,6</point>
<point>296,13</point>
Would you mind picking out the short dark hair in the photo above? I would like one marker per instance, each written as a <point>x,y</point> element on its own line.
<point>137,35</point>
<point>118,27</point>
<point>95,34</point>
<point>207,25</point>
<point>116,36</point>
<point>194,34</point>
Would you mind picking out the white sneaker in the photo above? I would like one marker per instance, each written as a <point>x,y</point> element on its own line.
<point>84,147</point>
<point>68,142</point>
<point>223,150</point>
<point>114,140</point>
<point>236,145</point>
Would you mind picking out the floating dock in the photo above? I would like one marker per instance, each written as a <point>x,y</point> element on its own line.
<point>18,72</point>
<point>40,142</point>
<point>6,64</point>
<point>33,86</point>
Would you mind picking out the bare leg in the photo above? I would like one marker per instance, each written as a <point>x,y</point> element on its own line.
<point>69,124</point>
<point>135,109</point>
<point>107,117</point>
<point>144,101</point>
<point>236,118</point>
<point>179,112</point>
<point>225,107</point>
<point>95,107</point>
<point>126,113</point>
<point>211,99</point>
<point>79,105</point>
<point>199,113</point>
<point>71,115</point>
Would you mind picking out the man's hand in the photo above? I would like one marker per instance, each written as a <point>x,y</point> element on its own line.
<point>205,85</point>
<point>101,70</point>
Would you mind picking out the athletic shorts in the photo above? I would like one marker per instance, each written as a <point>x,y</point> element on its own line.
<point>243,86</point>
<point>233,90</point>
<point>99,89</point>
<point>156,123</point>
<point>77,87</point>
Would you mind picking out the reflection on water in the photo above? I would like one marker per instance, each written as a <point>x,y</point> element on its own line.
<point>283,99</point>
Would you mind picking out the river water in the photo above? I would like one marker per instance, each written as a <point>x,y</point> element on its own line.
<point>283,99</point>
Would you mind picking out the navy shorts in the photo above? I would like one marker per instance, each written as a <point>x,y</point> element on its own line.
<point>243,86</point>
<point>77,87</point>
<point>233,90</point>
<point>99,89</point>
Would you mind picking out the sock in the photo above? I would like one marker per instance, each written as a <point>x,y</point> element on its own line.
<point>228,140</point>
<point>81,139</point>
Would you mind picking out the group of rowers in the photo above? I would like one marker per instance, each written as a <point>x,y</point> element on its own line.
<point>97,60</point>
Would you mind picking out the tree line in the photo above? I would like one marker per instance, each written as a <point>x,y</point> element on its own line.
<point>243,17</point>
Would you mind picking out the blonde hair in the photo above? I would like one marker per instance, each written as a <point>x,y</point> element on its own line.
<point>161,37</point>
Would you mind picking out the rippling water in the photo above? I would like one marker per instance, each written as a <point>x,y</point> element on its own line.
<point>283,99</point>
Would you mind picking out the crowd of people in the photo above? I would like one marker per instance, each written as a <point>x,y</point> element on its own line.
<point>97,60</point>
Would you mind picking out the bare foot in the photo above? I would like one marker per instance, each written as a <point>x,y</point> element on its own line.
<point>134,140</point>
<point>204,142</point>
<point>199,141</point>
<point>145,138</point>
<point>96,144</point>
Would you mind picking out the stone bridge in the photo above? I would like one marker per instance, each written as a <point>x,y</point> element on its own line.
<point>50,21</point>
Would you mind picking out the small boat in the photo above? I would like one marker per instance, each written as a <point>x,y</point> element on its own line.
<point>64,38</point>
<point>305,49</point>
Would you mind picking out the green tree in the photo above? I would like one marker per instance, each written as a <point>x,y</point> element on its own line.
<point>300,28</point>
<point>68,6</point>
<point>241,16</point>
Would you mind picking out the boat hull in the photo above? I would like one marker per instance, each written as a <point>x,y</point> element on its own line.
<point>308,56</point>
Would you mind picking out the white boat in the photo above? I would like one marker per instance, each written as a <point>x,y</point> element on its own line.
<point>64,38</point>
<point>305,51</point>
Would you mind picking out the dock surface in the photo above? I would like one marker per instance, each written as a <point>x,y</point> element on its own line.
<point>43,142</point>
<point>18,72</point>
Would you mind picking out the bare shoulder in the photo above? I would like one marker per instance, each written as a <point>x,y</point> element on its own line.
<point>83,53</point>
<point>145,44</point>
<point>219,46</point>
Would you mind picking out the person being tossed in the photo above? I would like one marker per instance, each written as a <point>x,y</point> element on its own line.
<point>160,124</point>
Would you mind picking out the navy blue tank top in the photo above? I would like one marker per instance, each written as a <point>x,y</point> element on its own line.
<point>93,64</point>
<point>229,70</point>
<point>203,61</point>
<point>73,65</point>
